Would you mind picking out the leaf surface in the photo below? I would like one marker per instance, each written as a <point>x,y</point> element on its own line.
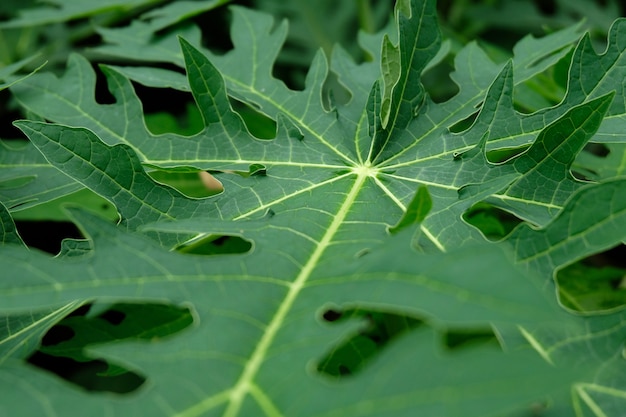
<point>273,312</point>
<point>354,205</point>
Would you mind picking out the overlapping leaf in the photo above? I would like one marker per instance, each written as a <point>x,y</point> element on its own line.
<point>272,318</point>
<point>61,11</point>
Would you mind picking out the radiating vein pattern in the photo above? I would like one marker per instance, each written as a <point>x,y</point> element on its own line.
<point>355,208</point>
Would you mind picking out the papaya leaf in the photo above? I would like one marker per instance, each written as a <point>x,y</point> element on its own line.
<point>354,205</point>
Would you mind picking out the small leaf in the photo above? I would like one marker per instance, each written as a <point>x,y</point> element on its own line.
<point>416,211</point>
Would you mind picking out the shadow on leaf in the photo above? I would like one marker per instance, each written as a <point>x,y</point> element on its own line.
<point>596,283</point>
<point>493,223</point>
<point>64,348</point>
<point>353,354</point>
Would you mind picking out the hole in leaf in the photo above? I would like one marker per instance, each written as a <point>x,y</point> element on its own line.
<point>493,222</point>
<point>438,83</point>
<point>501,36</point>
<point>53,210</point>
<point>334,92</point>
<point>292,74</point>
<point>538,92</point>
<point>597,149</point>
<point>63,350</point>
<point>596,162</point>
<point>56,335</point>
<point>353,354</point>
<point>587,175</point>
<point>216,245</point>
<point>332,315</point>
<point>497,156</point>
<point>178,114</point>
<point>113,316</point>
<point>9,113</point>
<point>187,122</point>
<point>47,235</point>
<point>455,339</point>
<point>80,311</point>
<point>92,375</point>
<point>217,37</point>
<point>102,93</point>
<point>596,283</point>
<point>257,123</point>
<point>197,184</point>
<point>545,58</point>
<point>464,124</point>
<point>379,330</point>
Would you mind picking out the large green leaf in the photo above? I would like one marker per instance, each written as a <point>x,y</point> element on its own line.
<point>336,225</point>
<point>272,317</point>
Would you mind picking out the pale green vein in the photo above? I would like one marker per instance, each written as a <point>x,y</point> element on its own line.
<point>585,337</point>
<point>97,122</point>
<point>133,281</point>
<point>435,127</point>
<point>245,382</point>
<point>595,408</point>
<point>285,111</point>
<point>433,285</point>
<point>420,181</point>
<point>104,173</point>
<point>505,197</point>
<point>581,126</point>
<point>237,315</point>
<point>357,133</point>
<point>205,405</point>
<point>604,390</point>
<point>296,233</point>
<point>389,194</point>
<point>264,402</point>
<point>276,163</point>
<point>536,345</point>
<point>406,78</point>
<point>399,203</point>
<point>253,55</point>
<point>417,161</point>
<point>267,205</point>
<point>208,91</point>
<point>558,245</point>
<point>432,238</point>
<point>62,311</point>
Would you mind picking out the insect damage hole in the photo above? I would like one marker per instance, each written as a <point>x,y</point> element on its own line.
<point>596,283</point>
<point>216,245</point>
<point>359,348</point>
<point>493,223</point>
<point>64,348</point>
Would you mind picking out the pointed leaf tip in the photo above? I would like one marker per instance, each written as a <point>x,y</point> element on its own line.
<point>416,212</point>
